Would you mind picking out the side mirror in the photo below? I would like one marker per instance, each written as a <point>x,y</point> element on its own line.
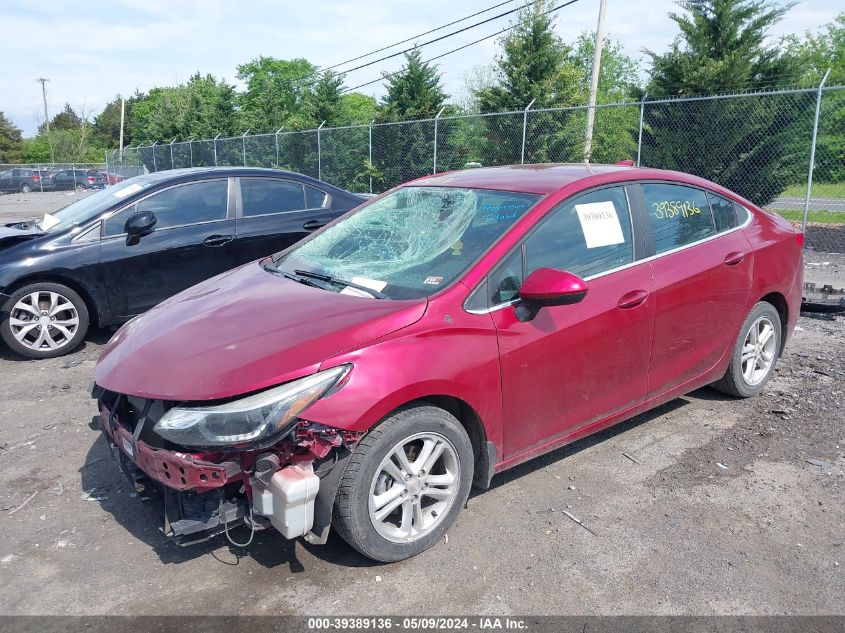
<point>549,287</point>
<point>138,225</point>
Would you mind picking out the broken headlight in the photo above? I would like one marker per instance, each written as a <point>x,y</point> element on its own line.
<point>262,418</point>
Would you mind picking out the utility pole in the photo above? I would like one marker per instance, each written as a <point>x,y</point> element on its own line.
<point>594,83</point>
<point>44,81</point>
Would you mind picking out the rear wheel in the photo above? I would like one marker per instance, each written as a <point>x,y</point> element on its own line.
<point>44,320</point>
<point>25,188</point>
<point>755,353</point>
<point>404,484</point>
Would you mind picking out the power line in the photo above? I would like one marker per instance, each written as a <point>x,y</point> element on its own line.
<point>413,37</point>
<point>460,48</point>
<point>438,39</point>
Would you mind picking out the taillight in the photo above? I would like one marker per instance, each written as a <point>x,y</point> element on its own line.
<point>91,179</point>
<point>799,237</point>
<point>36,177</point>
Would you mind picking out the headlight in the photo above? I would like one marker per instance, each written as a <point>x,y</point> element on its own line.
<point>258,419</point>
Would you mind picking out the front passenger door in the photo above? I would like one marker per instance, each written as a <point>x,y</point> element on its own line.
<point>573,365</point>
<point>276,213</point>
<point>188,245</point>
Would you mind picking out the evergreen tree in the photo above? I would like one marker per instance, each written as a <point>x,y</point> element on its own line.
<point>11,141</point>
<point>415,92</point>
<point>754,146</point>
<point>323,101</point>
<point>535,64</point>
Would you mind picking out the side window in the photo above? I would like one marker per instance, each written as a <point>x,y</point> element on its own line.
<point>262,196</point>
<point>506,279</point>
<point>741,214</point>
<point>724,214</point>
<point>585,235</point>
<point>186,204</point>
<point>314,198</point>
<point>679,215</point>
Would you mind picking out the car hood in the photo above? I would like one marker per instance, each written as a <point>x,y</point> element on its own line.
<point>240,332</point>
<point>10,235</point>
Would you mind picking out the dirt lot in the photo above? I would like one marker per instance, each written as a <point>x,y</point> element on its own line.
<point>708,505</point>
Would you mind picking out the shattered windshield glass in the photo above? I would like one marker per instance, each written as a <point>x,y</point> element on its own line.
<point>408,244</point>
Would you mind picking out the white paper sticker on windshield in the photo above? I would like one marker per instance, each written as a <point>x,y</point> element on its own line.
<point>128,191</point>
<point>356,292</point>
<point>600,224</point>
<point>49,222</point>
<point>374,284</point>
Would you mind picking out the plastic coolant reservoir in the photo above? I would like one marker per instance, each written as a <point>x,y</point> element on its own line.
<point>288,500</point>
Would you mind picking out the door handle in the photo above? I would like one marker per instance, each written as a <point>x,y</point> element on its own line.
<point>732,259</point>
<point>217,240</point>
<point>313,225</point>
<point>632,299</point>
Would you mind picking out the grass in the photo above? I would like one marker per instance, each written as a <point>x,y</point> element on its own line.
<point>814,217</point>
<point>820,190</point>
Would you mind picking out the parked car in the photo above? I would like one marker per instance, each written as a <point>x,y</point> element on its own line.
<point>118,252</point>
<point>441,333</point>
<point>21,180</point>
<point>112,179</point>
<point>69,179</point>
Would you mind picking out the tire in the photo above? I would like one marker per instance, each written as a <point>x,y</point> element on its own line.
<point>366,477</point>
<point>25,188</point>
<point>60,309</point>
<point>738,380</point>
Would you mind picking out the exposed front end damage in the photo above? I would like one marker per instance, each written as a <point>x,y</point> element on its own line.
<point>289,486</point>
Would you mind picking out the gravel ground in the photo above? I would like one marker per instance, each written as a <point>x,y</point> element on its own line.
<point>671,531</point>
<point>707,505</point>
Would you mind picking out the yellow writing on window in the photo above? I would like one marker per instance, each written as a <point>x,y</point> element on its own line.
<point>670,209</point>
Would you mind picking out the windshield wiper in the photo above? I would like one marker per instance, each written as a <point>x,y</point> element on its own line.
<point>335,280</point>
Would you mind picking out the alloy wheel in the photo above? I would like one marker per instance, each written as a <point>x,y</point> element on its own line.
<point>44,320</point>
<point>758,351</point>
<point>414,487</point>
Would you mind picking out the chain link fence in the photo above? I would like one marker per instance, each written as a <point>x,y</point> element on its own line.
<point>40,177</point>
<point>759,144</point>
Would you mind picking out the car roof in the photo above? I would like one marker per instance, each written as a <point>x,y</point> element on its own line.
<point>546,178</point>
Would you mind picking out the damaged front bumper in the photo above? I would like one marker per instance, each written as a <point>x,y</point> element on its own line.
<point>289,486</point>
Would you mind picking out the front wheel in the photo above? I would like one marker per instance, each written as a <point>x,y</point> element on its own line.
<point>44,320</point>
<point>25,188</point>
<point>755,353</point>
<point>405,484</point>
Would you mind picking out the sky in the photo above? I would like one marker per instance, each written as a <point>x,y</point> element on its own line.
<point>94,50</point>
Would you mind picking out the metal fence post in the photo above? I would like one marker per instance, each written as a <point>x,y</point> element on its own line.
<point>435,137</point>
<point>640,137</point>
<point>370,169</point>
<point>319,153</point>
<point>243,143</point>
<point>813,153</point>
<point>215,149</point>
<point>171,151</point>
<point>524,128</point>
<point>191,150</point>
<point>276,135</point>
<point>153,146</point>
<point>73,171</point>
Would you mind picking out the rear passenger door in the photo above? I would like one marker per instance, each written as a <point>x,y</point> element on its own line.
<point>274,213</point>
<point>702,275</point>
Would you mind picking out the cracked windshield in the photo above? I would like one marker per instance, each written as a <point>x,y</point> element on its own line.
<point>408,244</point>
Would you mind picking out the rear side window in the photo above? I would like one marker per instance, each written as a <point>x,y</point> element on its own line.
<point>724,213</point>
<point>314,198</point>
<point>586,235</point>
<point>678,215</point>
<point>263,196</point>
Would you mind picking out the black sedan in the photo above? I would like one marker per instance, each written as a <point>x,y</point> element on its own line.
<point>120,251</point>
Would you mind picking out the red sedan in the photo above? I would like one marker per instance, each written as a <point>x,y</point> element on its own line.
<point>439,334</point>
